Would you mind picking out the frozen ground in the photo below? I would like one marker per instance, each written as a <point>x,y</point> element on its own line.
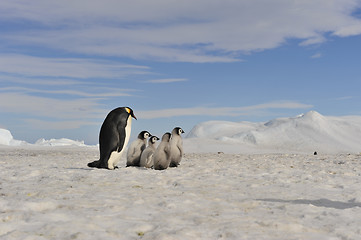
<point>49,193</point>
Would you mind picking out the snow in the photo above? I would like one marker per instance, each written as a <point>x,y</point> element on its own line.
<point>59,142</point>
<point>7,139</point>
<point>49,193</point>
<point>304,133</point>
<point>235,181</point>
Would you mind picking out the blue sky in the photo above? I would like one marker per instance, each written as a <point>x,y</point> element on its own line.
<point>65,64</point>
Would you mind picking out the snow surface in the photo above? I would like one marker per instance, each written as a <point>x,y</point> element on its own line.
<point>236,181</point>
<point>49,193</point>
<point>305,133</point>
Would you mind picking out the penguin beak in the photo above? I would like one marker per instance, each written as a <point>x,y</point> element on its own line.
<point>134,116</point>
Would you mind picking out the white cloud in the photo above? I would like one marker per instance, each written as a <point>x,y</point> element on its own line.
<point>47,81</point>
<point>66,67</point>
<point>219,111</point>
<point>181,31</point>
<point>88,92</point>
<point>316,55</point>
<point>27,105</point>
<point>344,98</point>
<point>167,80</point>
<point>58,125</point>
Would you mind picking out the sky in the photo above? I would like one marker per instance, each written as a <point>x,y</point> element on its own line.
<point>65,64</point>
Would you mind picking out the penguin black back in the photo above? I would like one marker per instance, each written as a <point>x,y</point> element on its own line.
<point>114,135</point>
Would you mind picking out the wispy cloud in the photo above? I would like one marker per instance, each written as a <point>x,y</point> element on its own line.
<point>88,92</point>
<point>166,80</point>
<point>344,98</point>
<point>220,111</point>
<point>58,125</point>
<point>31,66</point>
<point>173,31</point>
<point>44,81</point>
<point>317,55</point>
<point>24,104</point>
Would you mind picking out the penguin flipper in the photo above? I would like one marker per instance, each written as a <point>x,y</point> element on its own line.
<point>121,139</point>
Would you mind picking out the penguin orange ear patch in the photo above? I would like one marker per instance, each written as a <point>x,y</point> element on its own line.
<point>127,109</point>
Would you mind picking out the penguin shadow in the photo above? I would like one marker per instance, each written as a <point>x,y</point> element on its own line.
<point>138,168</point>
<point>80,168</point>
<point>323,202</point>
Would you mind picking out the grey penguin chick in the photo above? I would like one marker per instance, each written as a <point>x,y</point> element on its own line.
<point>176,147</point>
<point>146,159</point>
<point>136,148</point>
<point>161,154</point>
<point>113,137</point>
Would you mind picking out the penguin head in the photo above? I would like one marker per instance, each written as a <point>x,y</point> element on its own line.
<point>166,137</point>
<point>130,111</point>
<point>177,130</point>
<point>153,139</point>
<point>143,135</point>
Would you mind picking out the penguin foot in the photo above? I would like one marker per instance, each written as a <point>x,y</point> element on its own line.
<point>173,165</point>
<point>94,164</point>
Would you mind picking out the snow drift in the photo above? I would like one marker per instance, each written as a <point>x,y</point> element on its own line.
<point>306,132</point>
<point>59,142</point>
<point>6,138</point>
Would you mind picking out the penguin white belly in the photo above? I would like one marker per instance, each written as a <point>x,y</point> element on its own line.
<point>116,156</point>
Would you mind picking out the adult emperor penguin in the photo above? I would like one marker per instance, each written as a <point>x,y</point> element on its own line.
<point>161,154</point>
<point>113,137</point>
<point>136,148</point>
<point>146,159</point>
<point>176,147</point>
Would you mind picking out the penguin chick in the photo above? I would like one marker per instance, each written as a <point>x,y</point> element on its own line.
<point>176,147</point>
<point>113,137</point>
<point>146,159</point>
<point>136,148</point>
<point>161,154</point>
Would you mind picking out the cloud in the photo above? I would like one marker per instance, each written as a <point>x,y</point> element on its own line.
<point>58,125</point>
<point>44,81</point>
<point>219,111</point>
<point>167,80</point>
<point>316,55</point>
<point>344,98</point>
<point>84,108</point>
<point>31,66</point>
<point>88,92</point>
<point>175,31</point>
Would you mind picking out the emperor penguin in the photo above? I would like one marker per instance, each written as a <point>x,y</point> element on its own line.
<point>176,147</point>
<point>136,148</point>
<point>146,159</point>
<point>114,137</point>
<point>161,154</point>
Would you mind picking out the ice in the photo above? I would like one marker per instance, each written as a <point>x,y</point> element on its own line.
<point>59,142</point>
<point>6,138</point>
<point>304,133</point>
